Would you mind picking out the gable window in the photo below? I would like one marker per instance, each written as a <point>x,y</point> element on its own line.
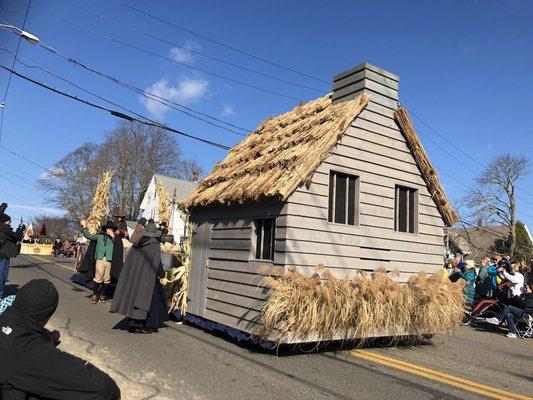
<point>264,238</point>
<point>343,198</point>
<point>406,210</point>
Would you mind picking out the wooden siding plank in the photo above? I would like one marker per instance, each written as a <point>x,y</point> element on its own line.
<point>234,322</point>
<point>354,239</point>
<point>374,159</point>
<point>232,234</point>
<point>236,299</point>
<point>371,126</point>
<point>224,254</point>
<point>242,313</point>
<point>230,244</point>
<point>302,222</point>
<point>237,277</point>
<point>252,267</point>
<point>256,292</point>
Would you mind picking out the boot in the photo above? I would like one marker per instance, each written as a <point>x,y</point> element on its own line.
<point>96,293</point>
<point>103,297</point>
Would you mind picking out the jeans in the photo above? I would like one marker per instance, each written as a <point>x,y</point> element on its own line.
<point>510,313</point>
<point>4,269</point>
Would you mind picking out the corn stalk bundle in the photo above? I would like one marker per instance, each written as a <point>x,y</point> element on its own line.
<point>163,208</point>
<point>364,306</point>
<point>100,203</point>
<point>179,277</point>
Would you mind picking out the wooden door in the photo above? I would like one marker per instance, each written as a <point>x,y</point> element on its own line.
<point>199,264</point>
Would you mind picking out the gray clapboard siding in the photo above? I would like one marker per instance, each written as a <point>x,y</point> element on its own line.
<point>256,292</point>
<point>379,109</point>
<point>241,244</point>
<point>379,129</point>
<point>235,276</point>
<point>375,159</point>
<point>251,267</point>
<point>240,312</point>
<point>236,299</point>
<point>231,234</point>
<point>229,320</point>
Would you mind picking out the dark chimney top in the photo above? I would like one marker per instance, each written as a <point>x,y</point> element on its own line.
<point>380,84</point>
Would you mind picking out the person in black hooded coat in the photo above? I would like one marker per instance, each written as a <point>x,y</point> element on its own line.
<point>31,367</point>
<point>139,294</point>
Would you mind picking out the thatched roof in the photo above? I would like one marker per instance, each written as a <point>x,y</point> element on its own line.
<point>429,173</point>
<point>283,152</point>
<point>279,155</point>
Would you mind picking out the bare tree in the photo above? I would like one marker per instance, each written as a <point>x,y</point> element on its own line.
<point>57,227</point>
<point>189,170</point>
<point>493,200</point>
<point>133,151</point>
<point>70,183</point>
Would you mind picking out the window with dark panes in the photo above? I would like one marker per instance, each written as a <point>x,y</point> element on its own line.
<point>406,210</point>
<point>264,238</point>
<point>343,198</point>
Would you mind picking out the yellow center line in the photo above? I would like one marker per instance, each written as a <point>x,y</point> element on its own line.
<point>54,262</point>
<point>438,376</point>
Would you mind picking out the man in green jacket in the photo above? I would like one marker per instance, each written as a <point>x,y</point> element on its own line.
<point>103,256</point>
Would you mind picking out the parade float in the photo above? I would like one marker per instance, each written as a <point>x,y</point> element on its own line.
<point>325,223</point>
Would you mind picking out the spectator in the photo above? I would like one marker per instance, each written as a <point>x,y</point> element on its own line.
<point>138,231</point>
<point>459,264</point>
<point>517,281</point>
<point>32,367</point>
<point>105,244</point>
<point>484,281</point>
<point>469,275</point>
<point>510,314</point>
<point>9,247</point>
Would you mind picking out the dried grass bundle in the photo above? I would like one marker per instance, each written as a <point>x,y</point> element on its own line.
<point>163,204</point>
<point>100,208</point>
<point>179,277</point>
<point>324,306</point>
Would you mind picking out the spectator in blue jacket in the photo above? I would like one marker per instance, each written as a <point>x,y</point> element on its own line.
<point>469,275</point>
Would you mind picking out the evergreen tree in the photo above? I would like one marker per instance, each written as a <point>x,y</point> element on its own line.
<point>524,247</point>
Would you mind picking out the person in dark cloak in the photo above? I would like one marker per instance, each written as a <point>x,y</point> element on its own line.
<point>118,257</point>
<point>31,366</point>
<point>137,232</point>
<point>139,295</point>
<point>120,222</point>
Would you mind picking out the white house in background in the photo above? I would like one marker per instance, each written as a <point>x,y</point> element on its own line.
<point>177,190</point>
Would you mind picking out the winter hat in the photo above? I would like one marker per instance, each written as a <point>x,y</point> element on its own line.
<point>37,299</point>
<point>151,230</point>
<point>142,221</point>
<point>109,225</point>
<point>4,218</point>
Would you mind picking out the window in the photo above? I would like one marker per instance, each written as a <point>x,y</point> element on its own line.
<point>343,195</point>
<point>264,238</point>
<point>406,210</point>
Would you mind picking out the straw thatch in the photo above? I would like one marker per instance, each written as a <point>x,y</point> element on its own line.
<point>100,208</point>
<point>163,202</point>
<point>279,155</point>
<point>323,306</point>
<point>429,174</point>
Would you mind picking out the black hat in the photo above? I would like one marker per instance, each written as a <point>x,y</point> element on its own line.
<point>37,299</point>
<point>151,230</point>
<point>4,218</point>
<point>109,225</point>
<point>142,221</point>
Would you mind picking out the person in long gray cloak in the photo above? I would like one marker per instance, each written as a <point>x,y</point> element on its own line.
<point>139,294</point>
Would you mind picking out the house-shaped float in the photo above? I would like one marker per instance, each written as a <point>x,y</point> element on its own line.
<point>342,180</point>
<point>177,189</point>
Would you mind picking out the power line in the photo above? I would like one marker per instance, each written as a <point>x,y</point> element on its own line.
<point>458,148</point>
<point>12,67</point>
<point>193,51</point>
<point>205,71</point>
<point>21,156</point>
<point>144,120</point>
<point>85,90</point>
<point>223,44</point>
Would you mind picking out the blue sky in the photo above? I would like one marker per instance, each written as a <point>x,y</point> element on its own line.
<point>465,68</point>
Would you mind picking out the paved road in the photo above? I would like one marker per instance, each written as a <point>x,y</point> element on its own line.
<point>183,362</point>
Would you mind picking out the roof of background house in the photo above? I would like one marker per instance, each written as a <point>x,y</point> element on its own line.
<point>479,242</point>
<point>283,152</point>
<point>175,187</point>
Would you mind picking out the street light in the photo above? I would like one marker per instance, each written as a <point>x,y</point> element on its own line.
<point>23,34</point>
